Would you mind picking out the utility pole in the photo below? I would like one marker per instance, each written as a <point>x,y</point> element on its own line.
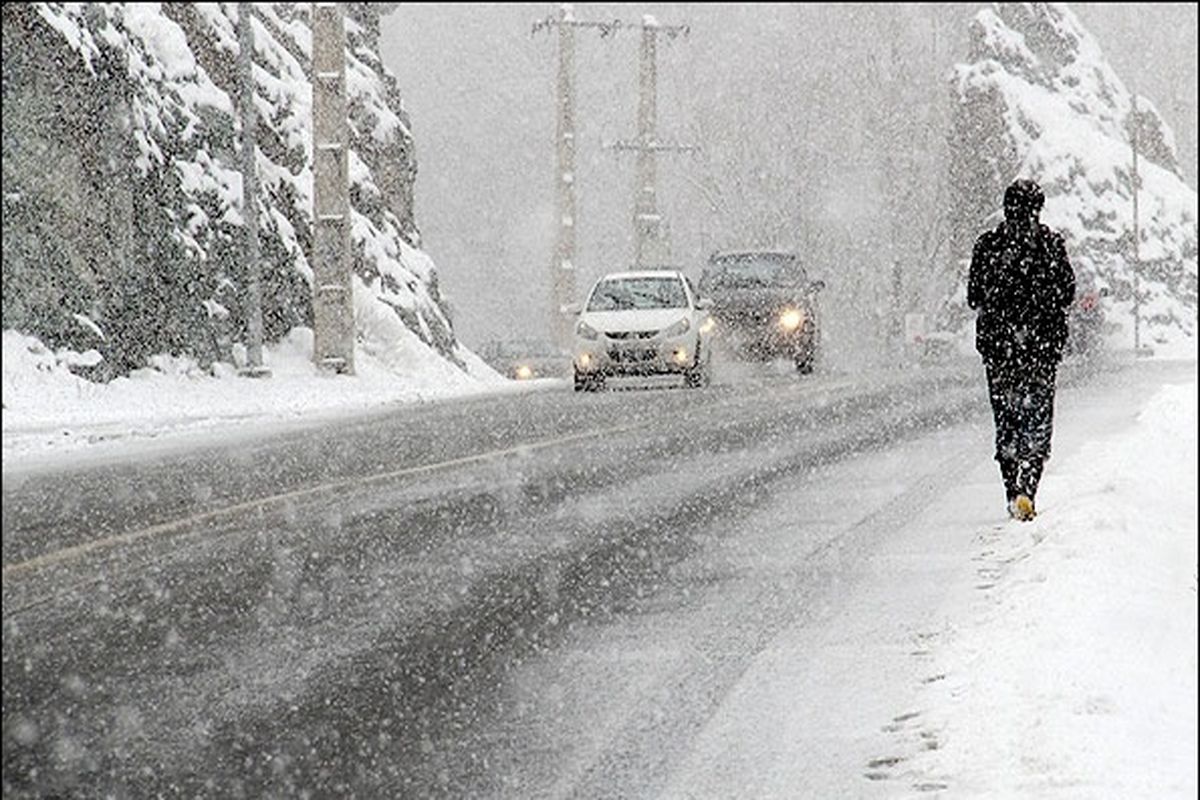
<point>649,243</point>
<point>562,266</point>
<point>333,301</point>
<point>254,328</point>
<point>647,222</point>
<point>899,310</point>
<point>1137,259</point>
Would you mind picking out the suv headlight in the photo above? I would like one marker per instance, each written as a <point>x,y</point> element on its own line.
<point>791,319</point>
<point>586,331</point>
<point>677,329</point>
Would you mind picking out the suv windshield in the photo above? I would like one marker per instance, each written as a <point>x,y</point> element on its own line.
<point>627,294</point>
<point>752,269</point>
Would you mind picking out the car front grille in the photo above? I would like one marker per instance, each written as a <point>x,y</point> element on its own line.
<point>632,355</point>
<point>630,334</point>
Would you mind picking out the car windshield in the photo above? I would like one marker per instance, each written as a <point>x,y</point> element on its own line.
<point>629,294</point>
<point>753,269</point>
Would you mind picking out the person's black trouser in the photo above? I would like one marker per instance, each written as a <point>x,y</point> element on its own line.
<point>1022,396</point>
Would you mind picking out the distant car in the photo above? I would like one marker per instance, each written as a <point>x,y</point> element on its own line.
<point>524,359</point>
<point>650,322</point>
<point>765,305</point>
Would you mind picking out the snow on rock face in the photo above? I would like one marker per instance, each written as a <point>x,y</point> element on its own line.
<point>1038,99</point>
<point>175,96</point>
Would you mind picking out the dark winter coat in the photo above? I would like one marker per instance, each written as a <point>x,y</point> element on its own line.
<point>1023,286</point>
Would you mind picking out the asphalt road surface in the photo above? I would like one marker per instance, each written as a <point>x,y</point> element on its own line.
<point>342,611</point>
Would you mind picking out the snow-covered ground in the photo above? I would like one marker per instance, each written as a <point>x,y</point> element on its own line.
<point>50,413</point>
<point>1084,651</point>
<point>982,658</point>
<point>1074,674</point>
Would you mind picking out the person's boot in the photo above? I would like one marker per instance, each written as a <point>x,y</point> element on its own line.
<point>1028,477</point>
<point>1022,509</point>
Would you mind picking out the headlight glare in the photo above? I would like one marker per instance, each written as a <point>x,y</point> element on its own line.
<point>791,319</point>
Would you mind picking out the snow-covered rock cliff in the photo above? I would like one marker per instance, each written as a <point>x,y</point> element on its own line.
<point>123,196</point>
<point>1036,98</point>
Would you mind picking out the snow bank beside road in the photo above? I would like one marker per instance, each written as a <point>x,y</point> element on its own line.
<point>1077,676</point>
<point>49,410</point>
<point>963,655</point>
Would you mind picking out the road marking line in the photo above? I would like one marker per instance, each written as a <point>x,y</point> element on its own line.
<point>68,553</point>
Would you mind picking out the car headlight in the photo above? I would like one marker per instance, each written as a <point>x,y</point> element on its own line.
<point>587,331</point>
<point>677,329</point>
<point>791,319</point>
<point>524,372</point>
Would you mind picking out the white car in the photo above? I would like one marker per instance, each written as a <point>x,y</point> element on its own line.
<point>649,322</point>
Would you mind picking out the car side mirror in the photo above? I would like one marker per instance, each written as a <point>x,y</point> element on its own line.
<point>704,303</point>
<point>1104,292</point>
<point>573,309</point>
<point>816,286</point>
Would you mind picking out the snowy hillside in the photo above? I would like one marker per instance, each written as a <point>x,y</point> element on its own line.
<point>156,266</point>
<point>1037,98</point>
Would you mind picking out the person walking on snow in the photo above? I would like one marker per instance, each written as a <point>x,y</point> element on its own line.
<point>1022,284</point>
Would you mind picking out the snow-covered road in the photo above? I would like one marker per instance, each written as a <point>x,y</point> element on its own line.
<point>804,590</point>
<point>877,630</point>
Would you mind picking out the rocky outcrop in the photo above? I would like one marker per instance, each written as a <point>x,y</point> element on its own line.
<point>1036,98</point>
<point>122,195</point>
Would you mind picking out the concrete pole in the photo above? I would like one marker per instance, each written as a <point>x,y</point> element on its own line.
<point>333,302</point>
<point>646,218</point>
<point>249,118</point>
<point>563,268</point>
<point>1137,259</point>
<point>899,308</point>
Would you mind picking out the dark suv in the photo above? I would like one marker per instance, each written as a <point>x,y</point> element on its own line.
<point>765,305</point>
